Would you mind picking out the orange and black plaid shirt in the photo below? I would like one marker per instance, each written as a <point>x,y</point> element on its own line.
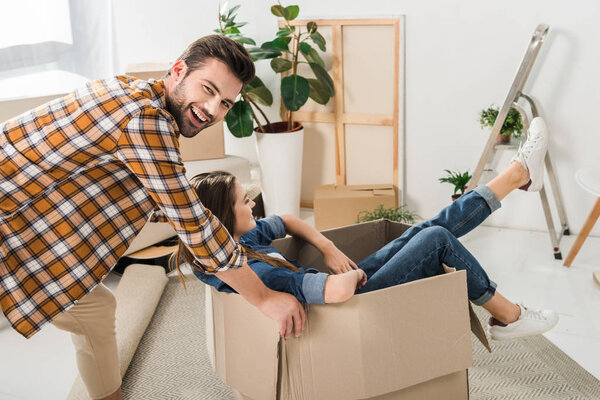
<point>79,178</point>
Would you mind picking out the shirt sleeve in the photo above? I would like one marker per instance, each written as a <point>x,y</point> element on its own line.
<point>266,230</point>
<point>149,148</point>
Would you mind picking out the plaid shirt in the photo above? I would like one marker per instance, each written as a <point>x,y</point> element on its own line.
<point>79,178</point>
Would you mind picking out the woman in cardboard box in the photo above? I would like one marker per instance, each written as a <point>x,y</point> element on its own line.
<point>418,253</point>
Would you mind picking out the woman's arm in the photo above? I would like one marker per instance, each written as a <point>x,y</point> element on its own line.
<point>336,261</point>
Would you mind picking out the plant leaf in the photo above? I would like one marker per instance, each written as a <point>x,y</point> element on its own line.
<point>311,27</point>
<point>256,82</point>
<point>278,10</point>
<point>259,53</point>
<point>291,12</point>
<point>318,39</point>
<point>232,10</point>
<point>261,95</point>
<point>318,92</point>
<point>239,119</point>
<point>294,92</point>
<point>305,48</point>
<point>242,39</point>
<point>283,32</point>
<point>314,57</point>
<point>280,43</point>
<point>323,77</point>
<point>280,64</point>
<point>231,30</point>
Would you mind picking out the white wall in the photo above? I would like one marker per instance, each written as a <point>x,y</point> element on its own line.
<point>461,56</point>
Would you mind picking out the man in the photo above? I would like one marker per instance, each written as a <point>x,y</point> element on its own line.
<point>80,176</point>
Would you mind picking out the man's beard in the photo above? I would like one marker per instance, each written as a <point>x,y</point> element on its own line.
<point>176,106</point>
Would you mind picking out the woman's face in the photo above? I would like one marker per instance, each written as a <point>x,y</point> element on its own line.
<point>244,221</point>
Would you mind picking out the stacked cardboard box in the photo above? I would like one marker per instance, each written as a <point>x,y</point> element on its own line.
<point>339,205</point>
<point>410,341</point>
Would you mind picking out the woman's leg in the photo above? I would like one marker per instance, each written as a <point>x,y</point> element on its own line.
<point>423,256</point>
<point>460,217</point>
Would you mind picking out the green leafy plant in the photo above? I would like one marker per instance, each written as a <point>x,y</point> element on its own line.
<point>513,125</point>
<point>240,119</point>
<point>458,179</point>
<point>290,47</point>
<point>398,214</point>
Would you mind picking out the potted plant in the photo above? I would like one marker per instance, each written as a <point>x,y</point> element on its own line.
<point>279,144</point>
<point>512,127</point>
<point>459,180</point>
<point>398,214</point>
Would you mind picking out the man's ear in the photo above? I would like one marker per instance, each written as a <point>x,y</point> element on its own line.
<point>178,71</point>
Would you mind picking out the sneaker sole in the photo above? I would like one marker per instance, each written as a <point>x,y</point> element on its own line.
<point>510,337</point>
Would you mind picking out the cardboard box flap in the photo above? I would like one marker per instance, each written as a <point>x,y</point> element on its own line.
<point>382,192</point>
<point>245,346</point>
<point>370,188</point>
<point>369,359</point>
<point>476,327</point>
<point>336,191</point>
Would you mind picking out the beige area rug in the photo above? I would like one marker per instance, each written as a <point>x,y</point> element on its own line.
<point>171,361</point>
<point>528,368</point>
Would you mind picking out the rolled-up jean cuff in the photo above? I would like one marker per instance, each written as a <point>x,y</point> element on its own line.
<point>313,287</point>
<point>489,197</point>
<point>487,295</point>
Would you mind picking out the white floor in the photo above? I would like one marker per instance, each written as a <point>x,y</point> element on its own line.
<point>521,262</point>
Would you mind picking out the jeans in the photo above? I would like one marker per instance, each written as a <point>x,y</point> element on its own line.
<point>421,250</point>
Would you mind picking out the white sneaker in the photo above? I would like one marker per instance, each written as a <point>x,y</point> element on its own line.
<point>530,322</point>
<point>532,152</point>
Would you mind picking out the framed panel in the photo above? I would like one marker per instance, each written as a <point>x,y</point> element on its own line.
<point>364,116</point>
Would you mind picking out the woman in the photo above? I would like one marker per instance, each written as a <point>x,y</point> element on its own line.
<point>417,254</point>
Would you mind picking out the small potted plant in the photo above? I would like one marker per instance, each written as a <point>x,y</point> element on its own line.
<point>279,144</point>
<point>398,214</point>
<point>458,179</point>
<point>513,125</point>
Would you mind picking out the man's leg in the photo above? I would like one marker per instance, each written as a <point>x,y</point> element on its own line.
<point>91,323</point>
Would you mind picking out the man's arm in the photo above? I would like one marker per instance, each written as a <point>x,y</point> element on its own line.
<point>281,307</point>
<point>148,147</point>
<point>336,261</point>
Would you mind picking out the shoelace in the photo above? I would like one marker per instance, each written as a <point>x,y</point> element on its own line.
<point>526,148</point>
<point>533,314</point>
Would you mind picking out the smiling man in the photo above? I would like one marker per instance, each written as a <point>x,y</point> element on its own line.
<point>79,178</point>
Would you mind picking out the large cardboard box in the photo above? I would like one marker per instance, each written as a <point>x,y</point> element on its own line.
<point>339,205</point>
<point>208,144</point>
<point>410,341</point>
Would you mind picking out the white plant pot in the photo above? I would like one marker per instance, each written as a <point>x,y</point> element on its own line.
<point>280,158</point>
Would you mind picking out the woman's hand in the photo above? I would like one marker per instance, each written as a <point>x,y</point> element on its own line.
<point>339,288</point>
<point>336,261</point>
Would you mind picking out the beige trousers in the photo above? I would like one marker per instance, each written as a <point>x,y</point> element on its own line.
<point>92,325</point>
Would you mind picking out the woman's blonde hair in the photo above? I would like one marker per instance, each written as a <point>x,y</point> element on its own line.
<point>216,191</point>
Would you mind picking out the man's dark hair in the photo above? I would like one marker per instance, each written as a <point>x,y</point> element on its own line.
<point>228,51</point>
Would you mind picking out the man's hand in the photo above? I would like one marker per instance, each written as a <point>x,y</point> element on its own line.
<point>284,308</point>
<point>336,261</point>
